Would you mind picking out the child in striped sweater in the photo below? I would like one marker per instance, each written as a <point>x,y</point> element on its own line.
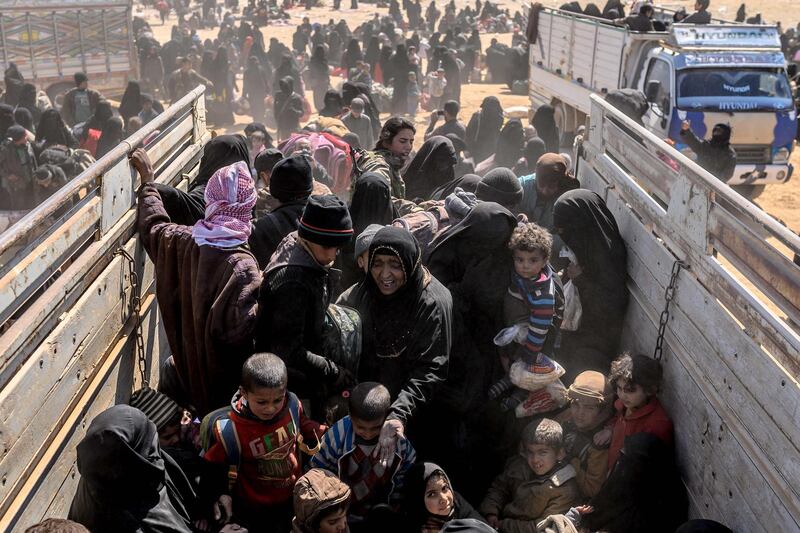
<point>531,308</point>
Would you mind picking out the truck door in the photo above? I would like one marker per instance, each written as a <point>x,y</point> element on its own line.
<point>658,90</point>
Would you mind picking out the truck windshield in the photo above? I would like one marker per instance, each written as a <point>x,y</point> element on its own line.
<point>734,89</point>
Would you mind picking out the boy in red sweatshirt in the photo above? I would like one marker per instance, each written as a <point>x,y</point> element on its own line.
<point>259,437</point>
<point>637,380</point>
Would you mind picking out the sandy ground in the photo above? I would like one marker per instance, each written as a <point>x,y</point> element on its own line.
<point>781,201</point>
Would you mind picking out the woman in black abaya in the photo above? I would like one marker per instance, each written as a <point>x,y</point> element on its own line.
<point>585,224</point>
<point>127,483</point>
<point>545,123</point>
<point>186,208</point>
<point>431,167</point>
<point>401,66</point>
<point>319,76</point>
<point>407,331</point>
<point>131,102</point>
<point>484,128</point>
<point>52,130</point>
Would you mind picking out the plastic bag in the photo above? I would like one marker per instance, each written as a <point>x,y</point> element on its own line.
<point>521,376</point>
<point>516,333</point>
<point>545,400</point>
<point>572,308</point>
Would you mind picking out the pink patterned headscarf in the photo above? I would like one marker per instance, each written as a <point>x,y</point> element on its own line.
<point>230,196</point>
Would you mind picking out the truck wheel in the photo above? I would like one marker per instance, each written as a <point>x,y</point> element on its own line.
<point>751,192</point>
<point>56,90</point>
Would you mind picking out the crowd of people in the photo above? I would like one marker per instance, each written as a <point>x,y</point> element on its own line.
<point>359,328</point>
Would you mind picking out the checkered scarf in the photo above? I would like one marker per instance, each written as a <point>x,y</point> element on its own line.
<point>230,196</point>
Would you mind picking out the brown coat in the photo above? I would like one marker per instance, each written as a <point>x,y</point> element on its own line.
<point>521,499</point>
<point>208,300</point>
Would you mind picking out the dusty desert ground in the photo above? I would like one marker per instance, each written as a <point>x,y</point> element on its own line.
<point>781,201</point>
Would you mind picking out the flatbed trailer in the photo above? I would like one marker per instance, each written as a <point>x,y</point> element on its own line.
<point>731,349</point>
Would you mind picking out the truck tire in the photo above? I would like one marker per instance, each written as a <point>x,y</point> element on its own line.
<point>58,89</point>
<point>751,192</point>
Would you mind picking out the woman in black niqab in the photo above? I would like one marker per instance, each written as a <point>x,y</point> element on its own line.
<point>431,167</point>
<point>407,334</point>
<point>452,74</point>
<point>467,183</point>
<point>24,118</point>
<point>6,120</point>
<point>509,144</point>
<point>131,102</point>
<point>288,67</point>
<point>401,66</point>
<point>223,88</point>
<point>110,137</point>
<point>256,84</point>
<point>485,230</point>
<point>331,104</point>
<point>52,130</point>
<point>588,228</point>
<point>319,75</point>
<point>27,100</point>
<point>534,149</point>
<point>128,484</point>
<point>351,56</point>
<point>186,208</point>
<point>373,54</point>
<point>484,128</point>
<point>371,204</point>
<point>545,123</point>
<point>13,80</point>
<point>385,63</point>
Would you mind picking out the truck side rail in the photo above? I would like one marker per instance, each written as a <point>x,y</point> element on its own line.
<point>732,349</point>
<point>69,340</point>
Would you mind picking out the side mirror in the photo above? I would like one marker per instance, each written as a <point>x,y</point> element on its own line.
<point>651,90</point>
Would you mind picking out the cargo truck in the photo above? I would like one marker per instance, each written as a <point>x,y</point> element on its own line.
<point>80,325</point>
<point>52,40</point>
<point>706,74</point>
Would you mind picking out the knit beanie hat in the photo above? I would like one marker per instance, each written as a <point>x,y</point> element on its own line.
<point>590,385</point>
<point>291,178</point>
<point>500,185</point>
<point>364,239</point>
<point>325,221</point>
<point>266,160</point>
<point>158,407</point>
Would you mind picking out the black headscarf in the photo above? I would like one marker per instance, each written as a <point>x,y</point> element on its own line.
<point>431,167</point>
<point>352,54</point>
<point>589,229</point>
<point>467,183</point>
<point>373,53</point>
<point>417,515</point>
<point>110,136</point>
<point>98,120</point>
<point>52,130</point>
<point>220,152</point>
<point>486,228</point>
<point>332,104</point>
<point>318,63</point>
<point>127,483</point>
<point>131,102</point>
<point>534,149</point>
<point>483,128</point>
<point>720,135</point>
<point>545,123</point>
<point>6,119</point>
<point>24,118</point>
<point>592,10</point>
<point>391,317</point>
<point>371,203</point>
<point>509,144</point>
<point>27,99</point>
<point>13,80</point>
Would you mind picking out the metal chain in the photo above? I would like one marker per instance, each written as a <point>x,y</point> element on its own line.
<point>669,294</point>
<point>135,308</point>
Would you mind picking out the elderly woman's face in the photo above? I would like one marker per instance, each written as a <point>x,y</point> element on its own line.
<point>387,272</point>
